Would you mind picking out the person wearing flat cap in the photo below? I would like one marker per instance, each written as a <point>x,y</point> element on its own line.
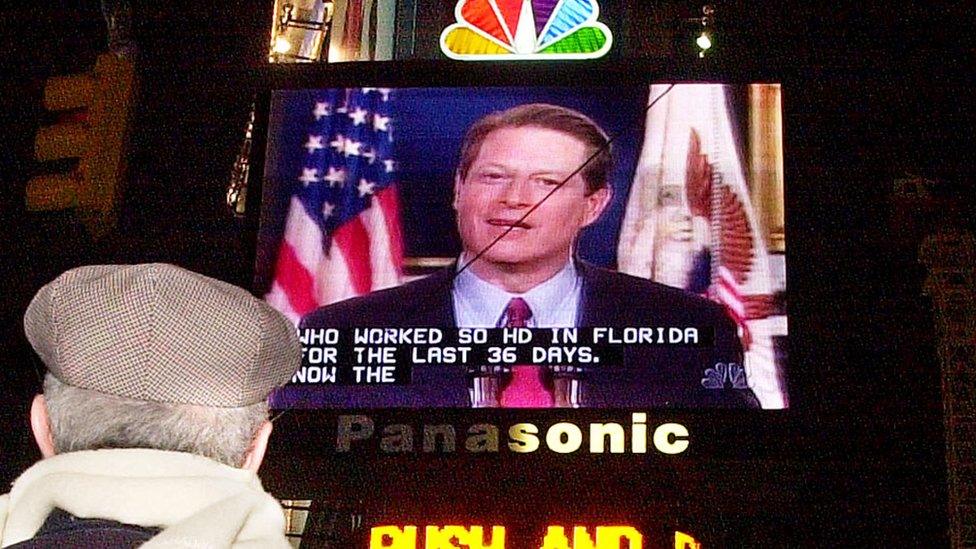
<point>154,417</point>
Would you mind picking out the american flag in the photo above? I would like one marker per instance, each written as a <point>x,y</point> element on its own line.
<point>342,234</point>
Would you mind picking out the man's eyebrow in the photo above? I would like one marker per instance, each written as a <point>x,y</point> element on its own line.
<point>558,173</point>
<point>541,171</point>
<point>493,165</point>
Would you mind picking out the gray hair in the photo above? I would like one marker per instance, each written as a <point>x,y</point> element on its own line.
<point>82,419</point>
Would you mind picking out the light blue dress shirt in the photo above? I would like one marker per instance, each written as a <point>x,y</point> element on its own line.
<point>554,303</point>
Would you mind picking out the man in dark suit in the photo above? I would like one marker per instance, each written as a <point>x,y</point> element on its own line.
<point>529,180</point>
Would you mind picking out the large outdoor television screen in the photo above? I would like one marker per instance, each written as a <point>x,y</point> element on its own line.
<point>530,246</point>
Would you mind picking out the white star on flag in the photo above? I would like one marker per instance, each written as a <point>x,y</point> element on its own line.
<point>321,110</point>
<point>381,123</point>
<point>335,177</point>
<point>314,143</point>
<point>389,164</point>
<point>309,175</point>
<point>341,235</point>
<point>327,209</point>
<point>358,116</point>
<point>338,143</point>
<point>365,187</point>
<point>386,93</point>
<point>367,90</point>
<point>351,148</point>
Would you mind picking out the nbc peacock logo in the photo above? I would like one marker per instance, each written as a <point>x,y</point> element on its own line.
<point>490,30</point>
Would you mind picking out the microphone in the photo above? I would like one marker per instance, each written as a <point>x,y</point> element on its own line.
<point>566,386</point>
<point>486,383</point>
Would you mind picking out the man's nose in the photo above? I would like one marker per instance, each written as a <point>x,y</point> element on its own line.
<point>517,192</point>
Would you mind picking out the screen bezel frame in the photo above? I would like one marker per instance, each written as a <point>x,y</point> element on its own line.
<point>432,74</point>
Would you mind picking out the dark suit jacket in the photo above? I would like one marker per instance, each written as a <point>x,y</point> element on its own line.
<point>61,530</point>
<point>651,376</point>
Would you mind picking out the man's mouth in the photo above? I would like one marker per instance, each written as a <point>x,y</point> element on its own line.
<point>514,223</point>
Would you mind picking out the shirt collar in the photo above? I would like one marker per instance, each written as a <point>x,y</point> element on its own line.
<point>551,301</point>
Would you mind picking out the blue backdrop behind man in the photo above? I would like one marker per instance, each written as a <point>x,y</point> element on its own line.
<point>529,180</point>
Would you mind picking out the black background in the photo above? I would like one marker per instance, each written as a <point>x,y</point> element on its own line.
<point>874,93</point>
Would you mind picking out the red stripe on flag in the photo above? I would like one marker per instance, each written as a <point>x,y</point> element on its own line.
<point>294,280</point>
<point>731,299</point>
<point>353,240</point>
<point>390,206</point>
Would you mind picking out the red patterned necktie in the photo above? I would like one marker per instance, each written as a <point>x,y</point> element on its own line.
<point>526,388</point>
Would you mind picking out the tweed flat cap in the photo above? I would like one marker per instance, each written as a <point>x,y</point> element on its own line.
<point>160,333</point>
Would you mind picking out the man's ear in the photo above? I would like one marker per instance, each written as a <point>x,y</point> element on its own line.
<point>41,426</point>
<point>259,445</point>
<point>596,202</point>
<point>457,189</point>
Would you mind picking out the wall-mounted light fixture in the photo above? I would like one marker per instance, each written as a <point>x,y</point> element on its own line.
<point>704,40</point>
<point>704,30</point>
<point>299,31</point>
